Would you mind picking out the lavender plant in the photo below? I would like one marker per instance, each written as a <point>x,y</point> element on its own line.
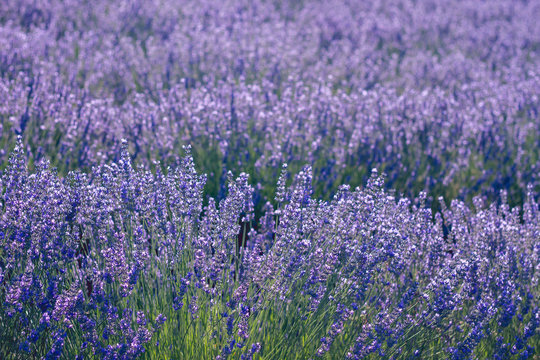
<point>126,263</point>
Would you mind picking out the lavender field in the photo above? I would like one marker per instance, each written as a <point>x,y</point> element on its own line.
<point>269,179</point>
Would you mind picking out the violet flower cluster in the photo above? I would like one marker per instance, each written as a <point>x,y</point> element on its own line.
<point>121,263</point>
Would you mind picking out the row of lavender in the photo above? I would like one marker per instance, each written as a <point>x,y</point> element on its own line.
<point>121,263</point>
<point>441,96</point>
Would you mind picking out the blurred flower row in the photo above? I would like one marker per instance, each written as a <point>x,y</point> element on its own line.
<point>441,96</point>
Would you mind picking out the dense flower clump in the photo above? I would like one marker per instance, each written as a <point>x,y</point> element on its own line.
<point>372,184</point>
<point>120,261</point>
